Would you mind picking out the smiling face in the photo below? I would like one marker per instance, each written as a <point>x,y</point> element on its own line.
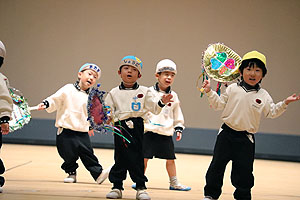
<point>165,79</point>
<point>87,78</point>
<point>129,75</point>
<point>252,74</point>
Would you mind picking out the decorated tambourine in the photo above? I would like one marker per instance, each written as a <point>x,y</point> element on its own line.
<point>220,63</point>
<point>21,111</point>
<point>98,114</point>
<point>97,111</point>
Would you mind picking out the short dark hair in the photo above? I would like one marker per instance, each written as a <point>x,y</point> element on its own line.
<point>251,63</point>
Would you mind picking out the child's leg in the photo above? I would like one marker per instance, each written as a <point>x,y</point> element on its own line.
<point>145,164</point>
<point>171,168</point>
<point>215,173</point>
<point>2,168</point>
<point>134,152</point>
<point>118,172</point>
<point>136,167</point>
<point>66,143</point>
<point>87,156</point>
<point>174,183</point>
<point>242,167</point>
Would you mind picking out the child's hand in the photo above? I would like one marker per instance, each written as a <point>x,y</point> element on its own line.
<point>179,135</point>
<point>292,98</point>
<point>41,106</point>
<point>91,132</point>
<point>109,120</point>
<point>5,128</point>
<point>206,86</point>
<point>167,98</point>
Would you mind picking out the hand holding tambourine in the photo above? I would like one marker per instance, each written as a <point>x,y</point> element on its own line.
<point>206,86</point>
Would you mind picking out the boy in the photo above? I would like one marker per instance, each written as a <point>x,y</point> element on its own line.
<point>128,103</point>
<point>6,107</point>
<point>160,128</point>
<point>242,105</point>
<point>73,132</point>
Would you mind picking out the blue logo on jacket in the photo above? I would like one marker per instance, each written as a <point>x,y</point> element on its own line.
<point>135,106</point>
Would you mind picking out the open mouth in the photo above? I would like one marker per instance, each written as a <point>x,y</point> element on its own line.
<point>129,76</point>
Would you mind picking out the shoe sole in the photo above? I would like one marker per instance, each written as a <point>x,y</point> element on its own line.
<point>104,177</point>
<point>69,181</point>
<point>177,189</point>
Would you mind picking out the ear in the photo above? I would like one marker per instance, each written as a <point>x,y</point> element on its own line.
<point>140,75</point>
<point>79,75</point>
<point>156,75</point>
<point>119,72</point>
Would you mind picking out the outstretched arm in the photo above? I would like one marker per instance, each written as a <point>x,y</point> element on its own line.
<point>292,98</point>
<point>42,106</point>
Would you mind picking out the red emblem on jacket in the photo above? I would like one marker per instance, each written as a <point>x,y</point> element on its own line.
<point>258,101</point>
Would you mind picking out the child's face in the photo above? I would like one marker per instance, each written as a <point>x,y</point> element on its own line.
<point>87,78</point>
<point>252,75</point>
<point>129,75</point>
<point>165,79</point>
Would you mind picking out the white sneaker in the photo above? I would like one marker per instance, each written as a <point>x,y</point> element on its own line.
<point>1,189</point>
<point>208,198</point>
<point>103,176</point>
<point>142,195</point>
<point>70,179</point>
<point>114,194</point>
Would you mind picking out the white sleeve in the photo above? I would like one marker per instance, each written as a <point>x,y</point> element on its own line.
<point>178,116</point>
<point>273,110</point>
<point>151,102</point>
<point>6,103</point>
<point>218,102</point>
<point>56,100</point>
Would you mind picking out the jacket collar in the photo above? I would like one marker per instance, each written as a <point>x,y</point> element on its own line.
<point>247,87</point>
<point>76,85</point>
<point>168,90</point>
<point>134,87</point>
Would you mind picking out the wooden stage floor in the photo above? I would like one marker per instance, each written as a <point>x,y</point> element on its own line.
<point>33,173</point>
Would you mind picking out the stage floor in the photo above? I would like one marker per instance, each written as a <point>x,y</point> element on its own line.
<point>34,173</point>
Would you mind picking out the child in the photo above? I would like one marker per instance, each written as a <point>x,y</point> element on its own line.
<point>160,128</point>
<point>73,132</point>
<point>6,107</point>
<point>242,105</point>
<point>128,103</point>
